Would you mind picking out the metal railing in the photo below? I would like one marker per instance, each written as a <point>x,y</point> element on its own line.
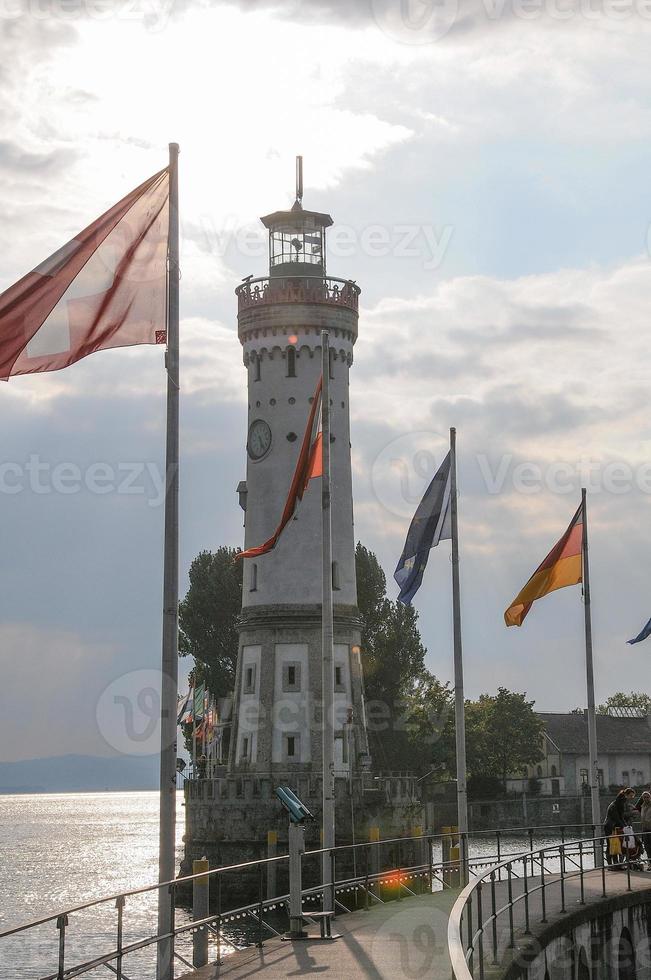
<point>298,289</point>
<point>373,871</point>
<point>474,926</point>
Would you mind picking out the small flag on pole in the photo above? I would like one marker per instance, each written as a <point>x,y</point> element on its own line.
<point>643,635</point>
<point>430,524</point>
<point>561,567</point>
<point>199,697</point>
<point>184,708</point>
<point>308,466</point>
<point>106,288</point>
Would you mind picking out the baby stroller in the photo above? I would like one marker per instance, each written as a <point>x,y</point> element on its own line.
<point>632,849</point>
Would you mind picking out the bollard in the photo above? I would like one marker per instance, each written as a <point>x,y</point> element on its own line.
<point>451,857</point>
<point>200,902</point>
<point>272,843</point>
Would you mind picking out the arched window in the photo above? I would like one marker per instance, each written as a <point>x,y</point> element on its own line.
<point>539,772</point>
<point>335,576</point>
<point>584,970</point>
<point>255,362</point>
<point>291,362</point>
<point>554,772</point>
<point>254,578</point>
<point>626,957</point>
<point>333,357</point>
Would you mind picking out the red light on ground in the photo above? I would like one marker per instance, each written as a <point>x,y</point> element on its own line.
<point>293,339</point>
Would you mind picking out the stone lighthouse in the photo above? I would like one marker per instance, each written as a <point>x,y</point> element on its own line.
<point>277,698</point>
<point>275,721</point>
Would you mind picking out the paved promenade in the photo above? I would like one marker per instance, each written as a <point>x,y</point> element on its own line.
<point>409,939</point>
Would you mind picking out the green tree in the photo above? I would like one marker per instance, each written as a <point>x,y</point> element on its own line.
<point>208,616</point>
<point>636,699</point>
<point>410,712</point>
<point>503,734</point>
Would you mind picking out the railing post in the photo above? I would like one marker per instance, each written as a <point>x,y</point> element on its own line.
<point>333,878</point>
<point>260,907</point>
<point>200,907</point>
<point>509,871</point>
<point>62,922</point>
<point>581,872</point>
<point>603,866</point>
<point>525,875</point>
<point>480,928</point>
<point>498,834</point>
<point>543,897</point>
<point>494,915</point>
<point>119,904</point>
<point>219,918</point>
<point>430,863</point>
<point>366,863</point>
<point>531,849</point>
<point>562,854</point>
<point>469,932</point>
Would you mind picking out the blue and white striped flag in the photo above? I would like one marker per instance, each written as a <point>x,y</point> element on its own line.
<point>430,524</point>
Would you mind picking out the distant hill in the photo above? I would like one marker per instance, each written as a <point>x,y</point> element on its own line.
<point>79,773</point>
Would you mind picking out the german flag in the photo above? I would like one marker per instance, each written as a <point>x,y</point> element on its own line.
<point>308,466</point>
<point>562,566</point>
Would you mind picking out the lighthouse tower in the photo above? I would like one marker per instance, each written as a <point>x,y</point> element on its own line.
<point>232,814</point>
<point>277,697</point>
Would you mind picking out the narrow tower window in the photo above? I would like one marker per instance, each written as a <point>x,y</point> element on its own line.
<point>254,578</point>
<point>291,362</point>
<point>332,355</point>
<point>256,367</point>
<point>335,575</point>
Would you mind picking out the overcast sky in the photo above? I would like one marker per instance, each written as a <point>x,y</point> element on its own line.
<point>487,167</point>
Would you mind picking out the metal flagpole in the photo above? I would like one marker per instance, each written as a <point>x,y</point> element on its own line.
<point>592,713</point>
<point>460,707</point>
<point>169,663</point>
<point>327,631</point>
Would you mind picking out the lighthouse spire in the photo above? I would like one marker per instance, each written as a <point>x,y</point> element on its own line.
<point>299,183</point>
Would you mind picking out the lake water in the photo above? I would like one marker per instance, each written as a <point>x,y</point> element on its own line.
<point>57,851</point>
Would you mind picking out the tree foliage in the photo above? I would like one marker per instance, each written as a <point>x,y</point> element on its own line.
<point>410,712</point>
<point>636,699</point>
<point>208,616</point>
<point>503,734</point>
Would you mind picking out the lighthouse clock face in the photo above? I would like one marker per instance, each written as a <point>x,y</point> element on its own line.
<point>259,441</point>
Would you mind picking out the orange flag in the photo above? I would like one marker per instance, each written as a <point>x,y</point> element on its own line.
<point>562,566</point>
<point>308,465</point>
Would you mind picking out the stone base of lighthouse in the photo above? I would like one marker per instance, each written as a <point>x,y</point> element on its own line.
<point>232,819</point>
<point>276,740</point>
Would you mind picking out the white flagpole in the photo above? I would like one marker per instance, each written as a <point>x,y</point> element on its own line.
<point>169,660</point>
<point>327,634</point>
<point>460,707</point>
<point>592,712</point>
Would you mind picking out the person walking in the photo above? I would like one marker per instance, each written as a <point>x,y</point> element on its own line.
<point>644,806</point>
<point>617,816</point>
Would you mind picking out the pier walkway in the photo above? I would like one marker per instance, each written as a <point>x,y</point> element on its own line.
<point>409,939</point>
